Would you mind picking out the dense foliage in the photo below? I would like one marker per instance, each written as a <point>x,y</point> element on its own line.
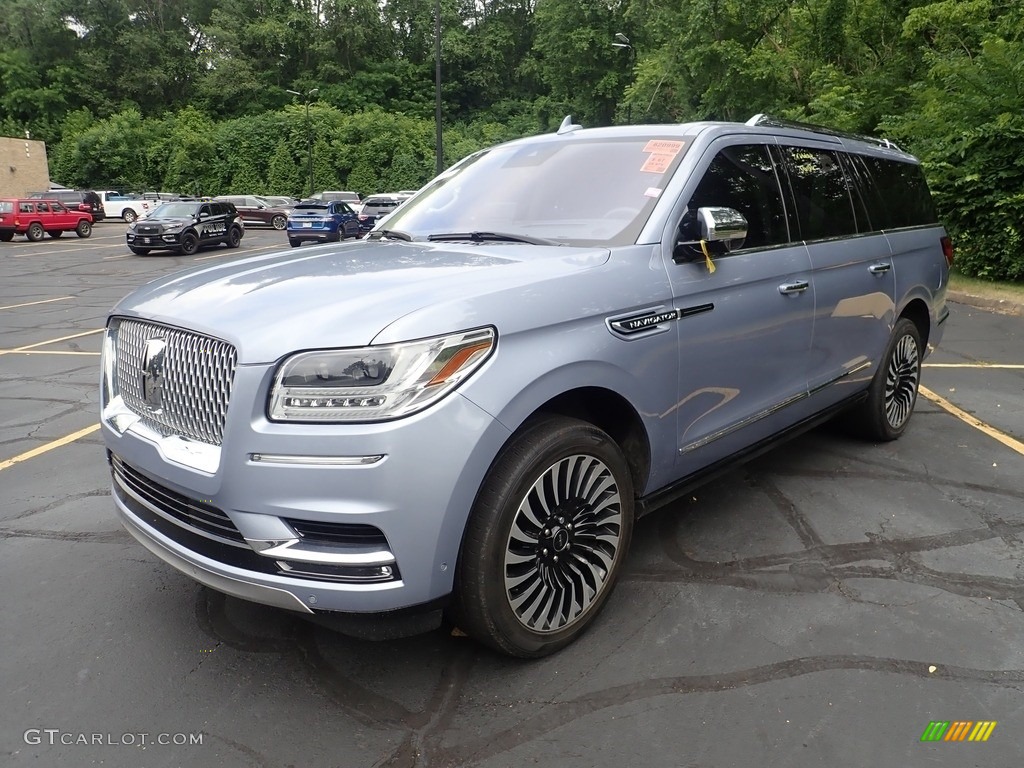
<point>192,95</point>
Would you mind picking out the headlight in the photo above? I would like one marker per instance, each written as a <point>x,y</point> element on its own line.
<point>376,383</point>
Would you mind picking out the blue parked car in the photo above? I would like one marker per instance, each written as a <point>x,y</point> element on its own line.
<point>321,221</point>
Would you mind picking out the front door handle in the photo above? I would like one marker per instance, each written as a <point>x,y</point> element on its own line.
<point>799,286</point>
<point>879,269</point>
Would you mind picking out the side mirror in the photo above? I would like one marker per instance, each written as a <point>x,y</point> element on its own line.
<point>726,228</point>
<point>720,224</point>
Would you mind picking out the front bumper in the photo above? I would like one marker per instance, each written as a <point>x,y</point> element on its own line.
<point>150,240</point>
<point>304,535</point>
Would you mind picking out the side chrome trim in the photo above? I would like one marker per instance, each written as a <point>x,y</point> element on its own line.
<point>772,409</point>
<point>743,423</point>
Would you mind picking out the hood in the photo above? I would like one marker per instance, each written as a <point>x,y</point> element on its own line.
<point>164,222</point>
<point>346,295</point>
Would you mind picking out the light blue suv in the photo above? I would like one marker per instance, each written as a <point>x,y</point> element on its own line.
<point>465,413</point>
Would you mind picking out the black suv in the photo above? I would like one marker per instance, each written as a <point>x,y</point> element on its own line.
<point>76,200</point>
<point>186,227</point>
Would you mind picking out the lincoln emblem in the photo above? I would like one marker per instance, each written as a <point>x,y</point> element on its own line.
<point>153,374</point>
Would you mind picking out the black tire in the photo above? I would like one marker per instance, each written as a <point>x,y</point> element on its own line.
<point>138,251</point>
<point>84,229</point>
<point>6,237</point>
<point>129,215</point>
<point>234,237</point>
<point>512,591</point>
<point>189,244</point>
<point>35,232</point>
<point>886,413</point>
<point>55,233</point>
<point>280,221</point>
<point>294,243</point>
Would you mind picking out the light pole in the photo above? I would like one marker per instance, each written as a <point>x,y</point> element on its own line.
<point>438,149</point>
<point>309,131</point>
<point>623,42</point>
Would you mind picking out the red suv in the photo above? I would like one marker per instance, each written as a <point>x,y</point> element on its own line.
<point>33,218</point>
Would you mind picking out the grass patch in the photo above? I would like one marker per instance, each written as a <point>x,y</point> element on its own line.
<point>986,288</point>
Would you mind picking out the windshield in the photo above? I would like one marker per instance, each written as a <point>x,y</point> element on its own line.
<point>174,211</point>
<point>573,191</point>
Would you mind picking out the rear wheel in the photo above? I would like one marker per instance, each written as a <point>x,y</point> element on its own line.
<point>234,237</point>
<point>279,221</point>
<point>294,243</point>
<point>893,392</point>
<point>6,237</point>
<point>35,232</point>
<point>546,539</point>
<point>84,228</point>
<point>55,233</point>
<point>129,215</point>
<point>189,244</point>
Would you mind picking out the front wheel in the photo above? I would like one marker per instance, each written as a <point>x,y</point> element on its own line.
<point>546,539</point>
<point>886,413</point>
<point>84,229</point>
<point>189,244</point>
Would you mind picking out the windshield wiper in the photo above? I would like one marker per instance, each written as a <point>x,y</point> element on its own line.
<point>503,237</point>
<point>395,234</point>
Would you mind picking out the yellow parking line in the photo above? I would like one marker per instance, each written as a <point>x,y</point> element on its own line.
<point>1008,366</point>
<point>48,447</point>
<point>51,341</point>
<point>965,417</point>
<point>46,352</point>
<point>32,303</point>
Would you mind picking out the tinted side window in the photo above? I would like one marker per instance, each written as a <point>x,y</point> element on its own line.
<point>743,178</point>
<point>899,192</point>
<point>819,185</point>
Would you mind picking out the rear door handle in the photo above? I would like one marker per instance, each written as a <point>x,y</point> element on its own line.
<point>879,269</point>
<point>798,286</point>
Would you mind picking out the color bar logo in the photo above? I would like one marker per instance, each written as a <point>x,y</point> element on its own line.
<point>958,730</point>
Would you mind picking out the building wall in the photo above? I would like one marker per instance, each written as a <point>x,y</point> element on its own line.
<point>23,167</point>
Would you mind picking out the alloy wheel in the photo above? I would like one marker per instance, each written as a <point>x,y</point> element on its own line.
<point>564,540</point>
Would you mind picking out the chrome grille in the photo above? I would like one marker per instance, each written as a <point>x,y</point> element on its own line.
<point>197,374</point>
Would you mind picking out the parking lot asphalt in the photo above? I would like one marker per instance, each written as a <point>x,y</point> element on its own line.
<point>821,605</point>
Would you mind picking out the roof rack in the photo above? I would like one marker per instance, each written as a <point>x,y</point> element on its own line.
<point>775,122</point>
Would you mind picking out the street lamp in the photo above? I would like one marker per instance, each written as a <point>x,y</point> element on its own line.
<point>438,150</point>
<point>309,130</point>
<point>623,42</point>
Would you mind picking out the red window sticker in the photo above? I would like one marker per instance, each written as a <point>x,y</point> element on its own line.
<point>657,163</point>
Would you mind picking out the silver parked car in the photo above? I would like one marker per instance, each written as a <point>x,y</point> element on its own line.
<point>466,412</point>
